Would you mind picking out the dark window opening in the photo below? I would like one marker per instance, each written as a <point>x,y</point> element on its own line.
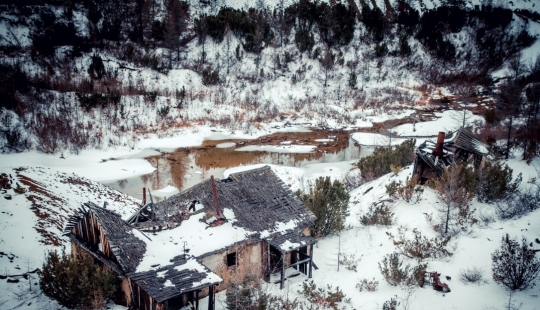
<point>231,259</point>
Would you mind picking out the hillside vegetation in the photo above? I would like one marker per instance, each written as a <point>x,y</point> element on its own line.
<point>94,74</point>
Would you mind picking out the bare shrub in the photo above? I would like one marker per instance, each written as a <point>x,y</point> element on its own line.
<point>486,218</point>
<point>367,285</point>
<point>410,191</point>
<point>378,214</point>
<point>515,265</point>
<point>419,247</point>
<point>349,261</point>
<point>321,297</point>
<point>519,204</point>
<point>391,304</point>
<point>472,275</point>
<point>393,271</point>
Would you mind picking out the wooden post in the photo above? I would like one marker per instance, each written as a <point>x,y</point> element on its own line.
<point>197,299</point>
<point>310,260</point>
<point>268,271</point>
<point>144,196</point>
<point>211,296</point>
<point>282,272</point>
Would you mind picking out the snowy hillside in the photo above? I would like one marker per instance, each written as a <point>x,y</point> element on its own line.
<point>90,89</point>
<point>113,96</point>
<point>32,222</point>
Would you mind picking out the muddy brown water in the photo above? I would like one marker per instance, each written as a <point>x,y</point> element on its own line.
<point>186,167</point>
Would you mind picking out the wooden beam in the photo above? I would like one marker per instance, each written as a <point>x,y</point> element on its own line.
<point>310,260</point>
<point>300,262</point>
<point>211,296</point>
<point>267,271</point>
<point>197,299</point>
<point>282,284</point>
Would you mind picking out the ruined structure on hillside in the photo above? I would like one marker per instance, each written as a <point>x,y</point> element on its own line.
<point>195,243</point>
<point>461,147</point>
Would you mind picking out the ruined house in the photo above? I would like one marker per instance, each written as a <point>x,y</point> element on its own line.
<point>172,253</point>
<point>459,147</point>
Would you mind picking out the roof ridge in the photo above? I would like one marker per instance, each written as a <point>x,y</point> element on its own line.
<point>265,167</point>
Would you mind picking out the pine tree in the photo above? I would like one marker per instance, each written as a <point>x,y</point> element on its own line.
<point>76,281</point>
<point>329,201</point>
<point>455,190</point>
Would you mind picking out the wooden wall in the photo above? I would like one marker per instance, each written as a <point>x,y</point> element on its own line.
<point>91,233</point>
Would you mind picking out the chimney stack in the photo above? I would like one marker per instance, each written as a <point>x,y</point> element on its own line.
<point>219,215</point>
<point>439,146</point>
<point>144,196</point>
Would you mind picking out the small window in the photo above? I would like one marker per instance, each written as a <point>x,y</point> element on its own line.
<point>231,259</point>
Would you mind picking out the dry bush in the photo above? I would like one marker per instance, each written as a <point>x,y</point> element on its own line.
<point>410,191</point>
<point>515,265</point>
<point>367,285</point>
<point>523,202</point>
<point>378,214</point>
<point>393,271</point>
<point>322,297</point>
<point>349,261</point>
<point>420,247</point>
<point>472,275</point>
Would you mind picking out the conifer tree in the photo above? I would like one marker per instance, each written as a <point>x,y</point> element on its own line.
<point>76,281</point>
<point>329,201</point>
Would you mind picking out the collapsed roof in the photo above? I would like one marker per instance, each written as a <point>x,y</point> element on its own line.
<point>259,204</point>
<point>129,246</point>
<point>158,246</point>
<point>461,146</point>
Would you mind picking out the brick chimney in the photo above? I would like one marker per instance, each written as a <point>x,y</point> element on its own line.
<point>438,151</point>
<point>219,215</point>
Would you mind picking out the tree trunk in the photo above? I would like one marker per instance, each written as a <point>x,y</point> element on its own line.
<point>447,218</point>
<point>508,144</point>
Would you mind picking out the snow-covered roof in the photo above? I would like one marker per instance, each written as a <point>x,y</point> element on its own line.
<point>128,250</point>
<point>257,206</point>
<point>167,277</point>
<point>465,140</point>
<point>182,276</point>
<point>459,140</point>
<point>160,251</point>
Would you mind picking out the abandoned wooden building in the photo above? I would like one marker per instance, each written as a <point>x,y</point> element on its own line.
<point>459,147</point>
<point>172,253</point>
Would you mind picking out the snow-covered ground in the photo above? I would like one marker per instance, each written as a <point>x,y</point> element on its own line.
<point>31,223</point>
<point>64,192</point>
